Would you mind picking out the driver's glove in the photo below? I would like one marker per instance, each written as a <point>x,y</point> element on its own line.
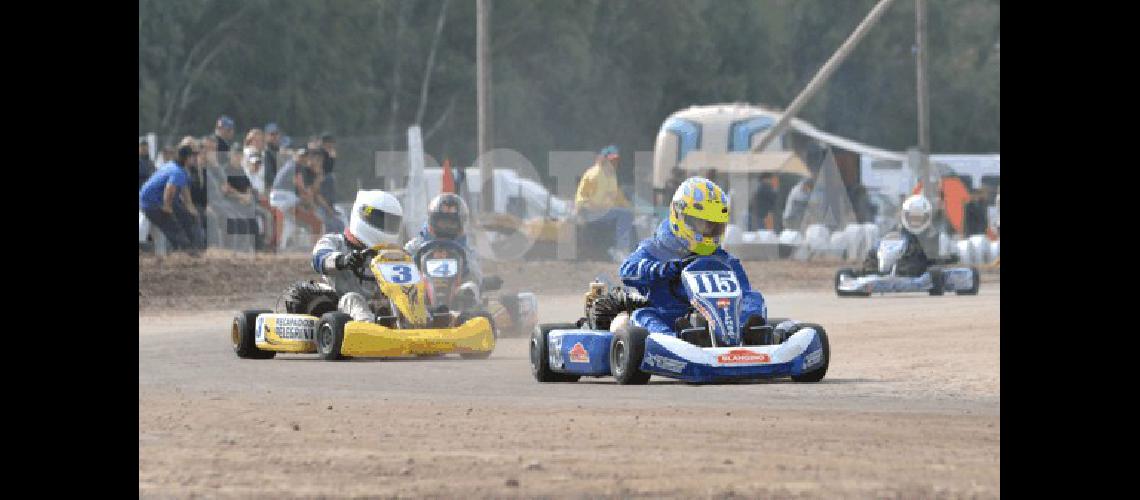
<point>350,260</point>
<point>669,269</point>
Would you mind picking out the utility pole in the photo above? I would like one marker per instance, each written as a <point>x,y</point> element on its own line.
<point>928,190</point>
<point>930,182</point>
<point>823,74</point>
<point>483,102</point>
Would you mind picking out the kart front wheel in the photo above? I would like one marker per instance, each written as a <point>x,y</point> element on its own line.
<point>540,355</point>
<point>242,336</point>
<point>817,374</point>
<point>976,283</point>
<point>627,349</point>
<point>849,273</point>
<point>330,335</point>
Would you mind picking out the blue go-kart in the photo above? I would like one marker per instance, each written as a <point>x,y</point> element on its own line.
<point>709,344</point>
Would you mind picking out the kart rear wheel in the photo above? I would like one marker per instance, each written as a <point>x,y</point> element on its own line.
<point>330,335</point>
<point>242,335</point>
<point>540,356</point>
<point>627,349</point>
<point>817,374</point>
<point>850,273</point>
<point>977,283</point>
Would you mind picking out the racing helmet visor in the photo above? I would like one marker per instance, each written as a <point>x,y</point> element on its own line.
<point>704,228</point>
<point>379,219</point>
<point>916,219</point>
<point>446,224</point>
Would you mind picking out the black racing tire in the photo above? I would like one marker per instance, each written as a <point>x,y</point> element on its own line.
<point>540,357</point>
<point>977,283</point>
<point>243,337</point>
<point>627,349</point>
<point>330,335</point>
<point>611,303</point>
<point>938,281</point>
<point>308,297</point>
<point>817,374</point>
<point>847,271</point>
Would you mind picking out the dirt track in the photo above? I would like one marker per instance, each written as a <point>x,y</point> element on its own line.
<point>910,408</point>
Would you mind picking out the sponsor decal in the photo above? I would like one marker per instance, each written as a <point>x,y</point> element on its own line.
<point>743,356</point>
<point>555,351</point>
<point>723,303</point>
<point>578,354</point>
<point>813,359</point>
<point>292,328</point>
<point>664,363</point>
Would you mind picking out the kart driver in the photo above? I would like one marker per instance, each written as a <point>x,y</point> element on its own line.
<point>447,216</point>
<point>915,217</point>
<point>375,220</point>
<point>698,216</point>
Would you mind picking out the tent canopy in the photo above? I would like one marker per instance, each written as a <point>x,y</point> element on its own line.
<point>782,162</point>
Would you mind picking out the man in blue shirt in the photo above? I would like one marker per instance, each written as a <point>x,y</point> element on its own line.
<point>158,199</point>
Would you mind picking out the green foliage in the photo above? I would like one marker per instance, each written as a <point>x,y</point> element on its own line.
<point>568,75</point>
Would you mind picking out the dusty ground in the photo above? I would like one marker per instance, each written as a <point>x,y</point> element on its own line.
<point>224,280</point>
<point>910,408</point>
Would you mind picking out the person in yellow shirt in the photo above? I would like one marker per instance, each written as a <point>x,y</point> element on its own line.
<point>600,200</point>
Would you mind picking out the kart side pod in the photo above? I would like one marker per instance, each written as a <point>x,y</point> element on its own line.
<point>366,339</point>
<point>587,353</point>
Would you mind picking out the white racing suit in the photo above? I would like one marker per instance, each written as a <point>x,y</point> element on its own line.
<point>354,292</point>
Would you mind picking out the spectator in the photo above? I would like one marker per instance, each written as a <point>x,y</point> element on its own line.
<point>251,160</point>
<point>289,193</point>
<point>241,209</point>
<point>763,202</point>
<point>975,213</point>
<point>165,199</point>
<point>197,172</point>
<point>272,149</point>
<point>861,203</point>
<point>328,183</point>
<point>317,182</point>
<point>224,133</point>
<point>600,200</point>
<point>797,203</point>
<point>146,167</point>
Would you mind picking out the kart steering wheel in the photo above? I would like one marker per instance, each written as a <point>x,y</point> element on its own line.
<point>368,255</point>
<point>452,246</point>
<point>676,280</point>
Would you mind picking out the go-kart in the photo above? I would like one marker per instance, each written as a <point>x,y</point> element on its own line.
<point>935,280</point>
<point>443,264</point>
<point>709,344</point>
<point>404,326</point>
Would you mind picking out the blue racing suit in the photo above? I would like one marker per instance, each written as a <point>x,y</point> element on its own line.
<point>646,270</point>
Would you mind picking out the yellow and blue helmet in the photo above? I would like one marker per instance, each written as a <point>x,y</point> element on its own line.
<point>698,214</point>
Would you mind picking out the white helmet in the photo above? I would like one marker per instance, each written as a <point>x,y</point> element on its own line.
<point>376,217</point>
<point>916,214</point>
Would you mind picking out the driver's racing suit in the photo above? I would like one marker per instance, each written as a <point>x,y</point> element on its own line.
<point>913,262</point>
<point>644,270</point>
<point>354,292</point>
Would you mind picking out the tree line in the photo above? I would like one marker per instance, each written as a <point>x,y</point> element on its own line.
<point>567,75</point>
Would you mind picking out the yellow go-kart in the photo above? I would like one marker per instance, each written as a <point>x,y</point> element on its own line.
<point>403,327</point>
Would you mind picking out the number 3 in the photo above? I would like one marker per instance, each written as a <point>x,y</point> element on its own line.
<point>404,276</point>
